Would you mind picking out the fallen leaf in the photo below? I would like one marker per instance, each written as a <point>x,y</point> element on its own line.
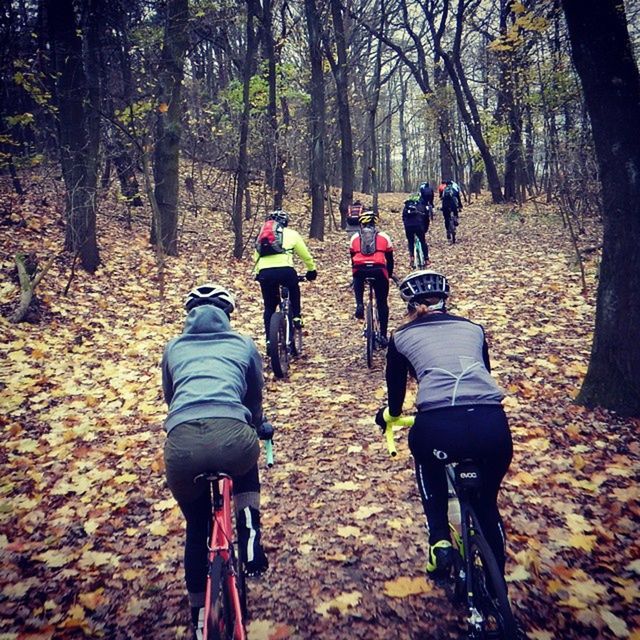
<point>404,586</point>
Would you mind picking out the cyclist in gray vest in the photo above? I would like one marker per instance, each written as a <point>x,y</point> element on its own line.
<point>460,414</point>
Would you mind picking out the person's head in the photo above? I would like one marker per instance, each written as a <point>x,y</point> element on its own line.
<point>425,185</point>
<point>368,218</point>
<point>425,291</point>
<point>357,202</point>
<point>449,181</point>
<point>211,293</point>
<point>280,216</point>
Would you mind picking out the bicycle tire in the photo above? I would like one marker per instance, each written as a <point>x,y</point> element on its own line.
<point>278,349</point>
<point>297,341</point>
<point>498,620</point>
<point>214,604</point>
<point>370,335</point>
<point>241,581</point>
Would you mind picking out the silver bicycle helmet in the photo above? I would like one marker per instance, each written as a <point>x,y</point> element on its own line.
<point>211,293</point>
<point>424,284</point>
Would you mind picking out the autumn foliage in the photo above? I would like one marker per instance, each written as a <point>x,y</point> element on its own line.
<point>91,539</point>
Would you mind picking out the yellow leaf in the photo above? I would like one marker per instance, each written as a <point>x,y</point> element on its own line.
<point>91,526</point>
<point>97,559</point>
<point>617,625</point>
<point>126,478</point>
<point>518,574</point>
<point>163,107</point>
<point>55,558</point>
<point>404,586</point>
<point>268,630</point>
<point>341,604</point>
<point>347,531</point>
<point>345,486</point>
<point>581,541</point>
<point>578,523</point>
<point>93,599</point>
<point>158,528</point>
<point>366,511</point>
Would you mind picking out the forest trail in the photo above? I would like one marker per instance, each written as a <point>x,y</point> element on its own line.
<point>91,539</point>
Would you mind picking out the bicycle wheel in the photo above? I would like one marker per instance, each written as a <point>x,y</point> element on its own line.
<point>490,593</point>
<point>214,602</point>
<point>297,341</point>
<point>278,350</point>
<point>418,257</point>
<point>370,334</point>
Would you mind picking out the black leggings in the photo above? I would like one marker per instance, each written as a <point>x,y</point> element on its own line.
<point>270,281</point>
<point>447,210</point>
<point>447,435</point>
<point>381,289</point>
<point>419,233</point>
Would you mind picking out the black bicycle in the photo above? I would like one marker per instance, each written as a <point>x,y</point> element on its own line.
<point>371,324</point>
<point>285,339</point>
<point>475,578</point>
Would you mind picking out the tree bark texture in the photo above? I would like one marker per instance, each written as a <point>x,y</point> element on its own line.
<point>78,148</point>
<point>341,76</point>
<point>603,58</point>
<point>168,127</point>
<point>317,113</point>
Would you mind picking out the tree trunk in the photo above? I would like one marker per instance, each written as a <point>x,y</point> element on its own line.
<point>344,114</point>
<point>404,142</point>
<point>275,171</point>
<point>166,155</point>
<point>604,60</point>
<point>77,147</point>
<point>317,113</point>
<point>242,170</point>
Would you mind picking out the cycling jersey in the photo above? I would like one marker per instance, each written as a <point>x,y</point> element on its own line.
<point>292,242</point>
<point>449,357</point>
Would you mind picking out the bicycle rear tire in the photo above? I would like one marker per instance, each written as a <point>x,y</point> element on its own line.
<point>370,335</point>
<point>490,591</point>
<point>214,604</point>
<point>278,348</point>
<point>297,341</point>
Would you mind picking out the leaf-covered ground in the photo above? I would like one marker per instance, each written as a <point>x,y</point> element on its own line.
<point>91,540</point>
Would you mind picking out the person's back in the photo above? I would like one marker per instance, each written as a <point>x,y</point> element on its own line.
<point>426,194</point>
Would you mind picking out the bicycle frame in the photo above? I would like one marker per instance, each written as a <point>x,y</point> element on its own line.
<point>285,308</point>
<point>220,546</point>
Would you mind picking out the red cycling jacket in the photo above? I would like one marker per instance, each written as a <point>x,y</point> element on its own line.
<point>382,257</point>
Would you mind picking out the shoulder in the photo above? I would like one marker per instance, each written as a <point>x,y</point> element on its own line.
<point>292,234</point>
<point>386,237</point>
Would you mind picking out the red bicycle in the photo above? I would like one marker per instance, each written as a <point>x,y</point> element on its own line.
<point>225,609</point>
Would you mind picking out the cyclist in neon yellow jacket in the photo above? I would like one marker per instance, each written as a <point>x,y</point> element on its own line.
<point>273,259</point>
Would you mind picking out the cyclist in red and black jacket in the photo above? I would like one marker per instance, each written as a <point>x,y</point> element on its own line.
<point>372,257</point>
<point>460,414</point>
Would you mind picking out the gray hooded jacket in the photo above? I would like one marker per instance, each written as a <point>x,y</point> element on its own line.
<point>211,371</point>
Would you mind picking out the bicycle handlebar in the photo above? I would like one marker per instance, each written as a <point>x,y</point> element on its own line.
<point>390,422</point>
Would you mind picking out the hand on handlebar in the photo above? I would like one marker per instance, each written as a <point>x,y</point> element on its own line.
<point>311,275</point>
<point>265,431</point>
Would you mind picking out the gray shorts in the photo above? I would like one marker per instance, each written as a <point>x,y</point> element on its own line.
<point>209,444</point>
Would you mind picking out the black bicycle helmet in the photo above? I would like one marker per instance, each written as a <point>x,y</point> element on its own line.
<point>211,293</point>
<point>424,284</point>
<point>280,216</point>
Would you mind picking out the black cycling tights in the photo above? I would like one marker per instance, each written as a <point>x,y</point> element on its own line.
<point>381,289</point>
<point>270,281</point>
<point>446,435</point>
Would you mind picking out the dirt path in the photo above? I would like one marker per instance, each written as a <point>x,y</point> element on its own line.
<point>91,542</point>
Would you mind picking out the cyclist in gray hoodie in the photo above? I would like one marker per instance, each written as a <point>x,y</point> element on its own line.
<point>212,381</point>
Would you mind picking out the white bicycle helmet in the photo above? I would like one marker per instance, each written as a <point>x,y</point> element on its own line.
<point>423,284</point>
<point>280,216</point>
<point>211,293</point>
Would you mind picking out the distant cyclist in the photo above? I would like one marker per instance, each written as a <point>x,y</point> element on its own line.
<point>273,259</point>
<point>459,410</point>
<point>451,204</point>
<point>372,257</point>
<point>415,218</point>
<point>426,197</point>
<point>212,381</point>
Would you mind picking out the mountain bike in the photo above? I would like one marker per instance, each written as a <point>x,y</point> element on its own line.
<point>418,255</point>
<point>285,339</point>
<point>225,610</point>
<point>371,324</point>
<point>475,577</point>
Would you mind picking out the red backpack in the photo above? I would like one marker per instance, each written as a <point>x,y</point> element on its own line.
<point>269,241</point>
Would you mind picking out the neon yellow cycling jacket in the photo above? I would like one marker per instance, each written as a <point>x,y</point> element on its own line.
<point>292,242</point>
